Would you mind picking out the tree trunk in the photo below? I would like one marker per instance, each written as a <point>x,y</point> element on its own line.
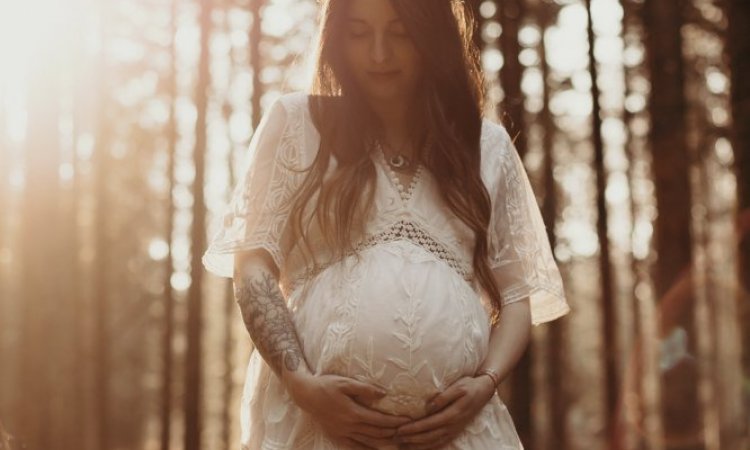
<point>6,353</point>
<point>555,360</point>
<point>102,313</point>
<point>478,22</point>
<point>193,364</point>
<point>607,295</point>
<point>169,301</point>
<point>739,49</point>
<point>37,390</point>
<point>681,412</point>
<point>633,404</point>
<point>255,58</point>
<point>511,13</point>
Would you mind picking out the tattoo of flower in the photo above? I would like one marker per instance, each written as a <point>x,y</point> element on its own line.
<point>268,321</point>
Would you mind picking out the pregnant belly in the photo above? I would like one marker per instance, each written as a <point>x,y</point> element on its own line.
<point>397,318</point>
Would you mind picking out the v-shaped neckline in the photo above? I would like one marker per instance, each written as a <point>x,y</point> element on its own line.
<point>404,193</point>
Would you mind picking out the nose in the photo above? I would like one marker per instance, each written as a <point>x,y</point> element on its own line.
<point>380,50</point>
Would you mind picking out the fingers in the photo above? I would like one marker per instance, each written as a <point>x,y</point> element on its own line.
<point>429,446</point>
<point>371,442</point>
<point>429,437</point>
<point>441,419</point>
<point>374,432</point>
<point>371,417</point>
<point>356,445</point>
<point>439,415</point>
<point>444,399</point>
<point>359,389</point>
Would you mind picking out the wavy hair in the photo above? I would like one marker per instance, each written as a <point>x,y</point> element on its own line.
<point>448,111</point>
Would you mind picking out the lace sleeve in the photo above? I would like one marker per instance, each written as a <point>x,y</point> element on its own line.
<point>257,213</point>
<point>520,253</point>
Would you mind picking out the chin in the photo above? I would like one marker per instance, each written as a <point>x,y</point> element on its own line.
<point>387,93</point>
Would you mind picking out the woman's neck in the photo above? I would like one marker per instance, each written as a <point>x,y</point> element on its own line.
<point>396,123</point>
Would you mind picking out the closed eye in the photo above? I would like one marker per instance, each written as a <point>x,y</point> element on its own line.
<point>358,32</point>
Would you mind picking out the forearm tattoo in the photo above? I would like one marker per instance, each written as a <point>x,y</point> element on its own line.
<point>268,321</point>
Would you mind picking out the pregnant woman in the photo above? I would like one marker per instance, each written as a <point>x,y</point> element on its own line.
<point>387,251</point>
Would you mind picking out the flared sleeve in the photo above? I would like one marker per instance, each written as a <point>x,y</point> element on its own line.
<point>519,249</point>
<point>256,216</point>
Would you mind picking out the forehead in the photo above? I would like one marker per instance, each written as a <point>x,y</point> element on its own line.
<point>372,11</point>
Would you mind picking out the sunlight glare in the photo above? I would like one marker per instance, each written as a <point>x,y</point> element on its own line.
<point>66,172</point>
<point>158,249</point>
<point>529,35</point>
<point>180,281</point>
<point>567,41</point>
<point>17,179</point>
<point>276,19</point>
<point>487,9</point>
<point>492,60</point>
<point>724,151</point>
<point>716,80</point>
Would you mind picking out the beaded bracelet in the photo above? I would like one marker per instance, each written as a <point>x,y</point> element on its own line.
<point>492,374</point>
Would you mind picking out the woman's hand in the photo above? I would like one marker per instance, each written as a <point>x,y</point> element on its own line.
<point>338,404</point>
<point>451,411</point>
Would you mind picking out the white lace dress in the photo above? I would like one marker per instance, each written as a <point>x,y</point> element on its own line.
<point>406,315</point>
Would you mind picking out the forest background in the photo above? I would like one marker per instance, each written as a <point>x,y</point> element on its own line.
<point>122,126</point>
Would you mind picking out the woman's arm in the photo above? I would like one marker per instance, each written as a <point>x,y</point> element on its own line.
<point>508,339</point>
<point>266,315</point>
<point>330,399</point>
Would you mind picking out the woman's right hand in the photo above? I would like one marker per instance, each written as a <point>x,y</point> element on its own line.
<point>338,404</point>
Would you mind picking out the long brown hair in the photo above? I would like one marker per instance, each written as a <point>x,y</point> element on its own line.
<point>449,104</point>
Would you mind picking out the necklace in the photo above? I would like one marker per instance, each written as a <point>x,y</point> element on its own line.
<point>399,161</point>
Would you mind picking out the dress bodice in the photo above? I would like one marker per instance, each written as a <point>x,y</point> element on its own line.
<point>287,141</point>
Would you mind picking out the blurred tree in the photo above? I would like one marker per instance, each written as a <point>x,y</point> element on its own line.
<point>42,332</point>
<point>167,357</point>
<point>101,313</point>
<point>255,58</point>
<point>5,164</point>
<point>479,21</point>
<point>546,13</point>
<point>637,406</point>
<point>609,324</point>
<point>195,321</point>
<point>673,239</point>
<point>6,314</point>
<point>511,14</point>
<point>739,49</point>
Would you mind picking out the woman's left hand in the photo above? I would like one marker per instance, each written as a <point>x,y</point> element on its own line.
<point>450,413</point>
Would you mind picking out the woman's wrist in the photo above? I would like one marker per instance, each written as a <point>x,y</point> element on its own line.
<point>489,388</point>
<point>491,374</point>
<point>297,384</point>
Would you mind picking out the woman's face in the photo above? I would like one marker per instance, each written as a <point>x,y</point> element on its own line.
<point>380,53</point>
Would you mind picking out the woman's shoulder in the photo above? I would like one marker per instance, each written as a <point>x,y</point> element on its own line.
<point>496,148</point>
<point>308,110</point>
<point>495,137</point>
<point>292,101</point>
<point>300,134</point>
<point>302,100</point>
